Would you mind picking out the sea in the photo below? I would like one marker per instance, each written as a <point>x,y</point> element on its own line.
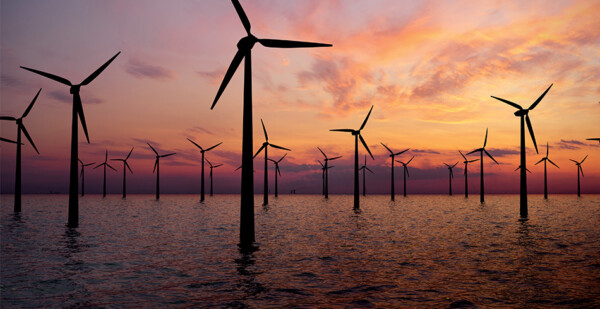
<point>421,251</point>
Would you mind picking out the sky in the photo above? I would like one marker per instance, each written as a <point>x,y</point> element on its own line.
<point>428,68</point>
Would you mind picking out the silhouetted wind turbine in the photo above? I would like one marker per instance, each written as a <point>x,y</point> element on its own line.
<point>579,169</point>
<point>157,169</point>
<point>105,164</point>
<point>82,175</point>
<point>202,151</point>
<point>265,146</point>
<point>77,112</point>
<point>466,162</point>
<point>594,139</point>
<point>524,114</point>
<point>20,128</point>
<point>357,135</point>
<point>326,172</point>
<point>481,151</point>
<point>546,159</point>
<point>405,168</point>
<point>364,168</point>
<point>277,170</point>
<point>392,155</point>
<point>324,169</point>
<point>211,175</point>
<point>125,167</point>
<point>245,52</point>
<point>450,176</point>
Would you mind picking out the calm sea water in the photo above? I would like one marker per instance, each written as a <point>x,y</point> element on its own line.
<point>421,251</point>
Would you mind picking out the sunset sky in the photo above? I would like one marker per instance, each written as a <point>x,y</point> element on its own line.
<point>428,67</point>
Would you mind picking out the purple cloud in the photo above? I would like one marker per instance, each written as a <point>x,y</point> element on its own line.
<point>140,69</point>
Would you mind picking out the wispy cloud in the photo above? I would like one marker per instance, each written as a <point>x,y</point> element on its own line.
<point>64,97</point>
<point>141,69</point>
<point>570,144</point>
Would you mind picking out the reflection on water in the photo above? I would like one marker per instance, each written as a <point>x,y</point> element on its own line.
<point>420,251</point>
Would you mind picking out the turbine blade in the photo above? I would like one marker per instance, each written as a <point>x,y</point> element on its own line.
<point>195,144</point>
<point>540,161</point>
<point>152,148</point>
<point>272,160</point>
<point>451,174</point>
<point>485,140</point>
<point>237,168</point>
<point>473,161</point>
<point>79,109</point>
<point>516,169</point>
<point>540,98</point>
<point>155,164</point>
<point>290,44</point>
<point>574,161</point>
<point>259,150</point>
<point>278,170</point>
<point>474,151</point>
<point>31,104</point>
<point>489,155</point>
<point>89,164</point>
<point>80,161</point>
<point>528,171</point>
<point>111,167</point>
<point>322,152</point>
<point>401,152</point>
<point>368,169</point>
<point>217,165</point>
<point>50,76</point>
<point>128,167</point>
<point>366,119</point>
<point>321,163</point>
<point>81,173</point>
<point>29,138</point>
<point>7,118</point>
<point>515,105</point>
<point>583,159</point>
<point>98,71</point>
<point>410,160</point>
<point>7,140</point>
<point>547,148</point>
<point>168,155</point>
<point>581,169</point>
<point>531,132</point>
<point>97,166</point>
<point>264,130</point>
<point>130,151</point>
<point>282,158</point>
<point>406,169</point>
<point>552,163</point>
<point>214,146</point>
<point>462,155</point>
<point>334,158</point>
<point>366,147</point>
<point>237,59</point>
<point>447,165</point>
<point>454,165</point>
<point>279,147</point>
<point>242,15</point>
<point>386,147</point>
<point>106,156</point>
<point>210,164</point>
<point>342,130</point>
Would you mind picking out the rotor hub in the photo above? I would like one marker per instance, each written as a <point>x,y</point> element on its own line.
<point>522,112</point>
<point>75,89</point>
<point>247,42</point>
<point>355,132</point>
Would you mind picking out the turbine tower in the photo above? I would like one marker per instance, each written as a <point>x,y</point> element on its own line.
<point>125,167</point>
<point>466,162</point>
<point>82,175</point>
<point>211,175</point>
<point>277,170</point>
<point>202,151</point>
<point>157,169</point>
<point>393,155</point>
<point>76,114</point>
<point>20,128</point>
<point>364,168</point>
<point>546,159</point>
<point>579,169</point>
<point>450,176</point>
<point>405,168</point>
<point>105,164</point>
<point>265,146</point>
<point>326,172</point>
<point>245,46</point>
<point>481,151</point>
<point>524,115</point>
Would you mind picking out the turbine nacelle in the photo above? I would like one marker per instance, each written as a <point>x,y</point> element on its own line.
<point>74,89</point>
<point>522,112</point>
<point>246,43</point>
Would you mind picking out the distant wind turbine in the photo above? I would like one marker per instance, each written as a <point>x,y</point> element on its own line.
<point>265,146</point>
<point>524,114</point>
<point>364,168</point>
<point>546,159</point>
<point>82,175</point>
<point>466,162</point>
<point>326,172</point>
<point>393,155</point>
<point>481,151</point>
<point>357,135</point>
<point>405,168</point>
<point>211,175</point>
<point>579,169</point>
<point>245,52</point>
<point>125,167</point>
<point>324,178</point>
<point>20,128</point>
<point>202,151</point>
<point>450,176</point>
<point>157,169</point>
<point>277,170</point>
<point>77,113</point>
<point>105,164</point>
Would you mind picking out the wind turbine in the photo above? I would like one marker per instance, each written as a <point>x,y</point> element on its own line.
<point>77,113</point>
<point>265,146</point>
<point>594,139</point>
<point>157,169</point>
<point>364,168</point>
<point>245,52</point>
<point>326,172</point>
<point>357,135</point>
<point>20,128</point>
<point>277,170</point>
<point>450,176</point>
<point>211,175</point>
<point>546,159</point>
<point>125,167</point>
<point>405,167</point>
<point>579,169</point>
<point>466,162</point>
<point>105,164</point>
<point>324,169</point>
<point>481,151</point>
<point>82,175</point>
<point>524,115</point>
<point>202,151</point>
<point>393,155</point>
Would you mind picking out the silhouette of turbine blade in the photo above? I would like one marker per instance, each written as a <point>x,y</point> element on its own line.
<point>195,144</point>
<point>152,149</point>
<point>447,165</point>
<point>235,63</point>
<point>130,151</point>
<point>386,147</point>
<point>322,152</point>
<point>485,140</point>
<point>368,169</point>
<point>80,161</point>
<point>210,164</point>
<point>31,104</point>
<point>279,147</point>
<point>168,155</point>
<point>214,146</point>
<point>278,170</point>
<point>451,174</point>
<point>29,138</point>
<point>79,109</point>
<point>8,140</point>
<point>81,173</point>
<point>342,130</point>
<point>272,160</point>
<point>7,118</point>
<point>453,166</point>
<point>547,148</point>
<point>583,159</point>
<point>362,140</point>
<point>97,166</point>
<point>515,105</point>
<point>516,169</point>
<point>334,158</point>
<point>410,160</point>
<point>531,132</point>
<point>90,78</point>
<point>106,156</point>
<point>321,163</point>
<point>581,169</point>
<point>473,161</point>
<point>406,169</point>
<point>401,152</point>
<point>574,161</point>
<point>259,150</point>
<point>462,155</point>
<point>489,155</point>
<point>289,44</point>
<point>242,15</point>
<point>282,158</point>
<point>217,165</point>
<point>128,167</point>
<point>552,163</point>
<point>474,151</point>
<point>155,164</point>
<point>366,119</point>
<point>111,167</point>
<point>50,76</point>
<point>264,130</point>
<point>540,98</point>
<point>237,168</point>
<point>540,161</point>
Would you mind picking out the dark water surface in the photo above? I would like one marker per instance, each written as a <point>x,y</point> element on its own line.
<point>421,251</point>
